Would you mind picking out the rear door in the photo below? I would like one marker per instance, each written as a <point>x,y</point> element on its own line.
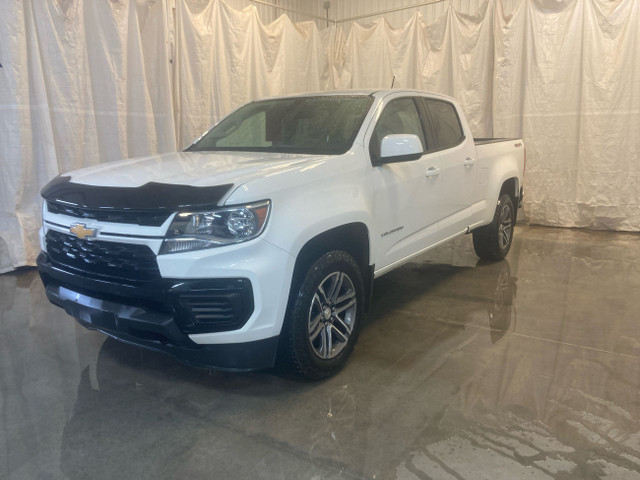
<point>456,156</point>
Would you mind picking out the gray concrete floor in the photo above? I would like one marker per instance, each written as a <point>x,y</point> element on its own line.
<point>529,368</point>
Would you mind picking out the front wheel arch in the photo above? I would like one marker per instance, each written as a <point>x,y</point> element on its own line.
<point>352,238</point>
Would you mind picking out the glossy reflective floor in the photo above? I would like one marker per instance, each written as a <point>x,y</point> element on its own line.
<point>529,368</point>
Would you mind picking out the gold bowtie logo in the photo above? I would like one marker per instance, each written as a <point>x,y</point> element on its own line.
<point>81,231</point>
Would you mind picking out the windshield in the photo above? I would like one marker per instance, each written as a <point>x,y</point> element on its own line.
<point>316,125</point>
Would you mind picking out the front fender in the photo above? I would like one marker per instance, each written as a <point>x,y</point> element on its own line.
<point>310,201</point>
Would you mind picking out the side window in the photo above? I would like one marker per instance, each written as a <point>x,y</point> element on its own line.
<point>446,124</point>
<point>399,116</point>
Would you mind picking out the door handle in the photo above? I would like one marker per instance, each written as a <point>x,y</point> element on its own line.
<point>432,172</point>
<point>469,161</point>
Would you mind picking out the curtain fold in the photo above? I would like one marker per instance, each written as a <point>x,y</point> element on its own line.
<point>83,83</point>
<point>567,79</point>
<point>228,57</point>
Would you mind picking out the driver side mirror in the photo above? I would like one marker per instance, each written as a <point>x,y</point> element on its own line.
<point>400,148</point>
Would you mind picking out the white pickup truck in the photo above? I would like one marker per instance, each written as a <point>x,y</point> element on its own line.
<point>260,242</point>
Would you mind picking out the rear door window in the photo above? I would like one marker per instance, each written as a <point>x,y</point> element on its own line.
<point>445,123</point>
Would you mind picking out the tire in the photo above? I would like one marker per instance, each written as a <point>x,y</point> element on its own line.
<point>324,316</point>
<point>492,242</point>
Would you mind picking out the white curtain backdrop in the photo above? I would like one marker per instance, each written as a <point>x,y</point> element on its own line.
<point>81,83</point>
<point>227,57</point>
<point>89,82</point>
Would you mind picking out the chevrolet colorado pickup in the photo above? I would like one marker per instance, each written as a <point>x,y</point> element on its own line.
<point>261,240</point>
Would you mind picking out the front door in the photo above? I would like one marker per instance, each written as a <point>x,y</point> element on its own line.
<point>406,194</point>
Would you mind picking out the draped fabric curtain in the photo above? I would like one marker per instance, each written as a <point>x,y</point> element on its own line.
<point>227,57</point>
<point>83,83</point>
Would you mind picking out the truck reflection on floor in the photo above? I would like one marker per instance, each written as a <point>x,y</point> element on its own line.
<point>145,415</point>
<point>502,309</point>
<point>482,294</point>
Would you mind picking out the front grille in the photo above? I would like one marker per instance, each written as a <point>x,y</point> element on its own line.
<point>117,261</point>
<point>215,305</point>
<point>145,218</point>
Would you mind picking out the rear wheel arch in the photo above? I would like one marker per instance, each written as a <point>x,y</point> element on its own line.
<point>511,188</point>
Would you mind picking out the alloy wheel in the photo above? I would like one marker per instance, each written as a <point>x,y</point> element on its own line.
<point>332,315</point>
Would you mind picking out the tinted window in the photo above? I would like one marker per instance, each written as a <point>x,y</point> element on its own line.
<point>321,124</point>
<point>399,116</point>
<point>446,124</point>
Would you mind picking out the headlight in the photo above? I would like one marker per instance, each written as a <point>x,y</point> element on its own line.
<point>214,228</point>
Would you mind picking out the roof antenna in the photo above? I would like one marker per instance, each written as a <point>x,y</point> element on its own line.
<point>393,81</point>
<point>327,6</point>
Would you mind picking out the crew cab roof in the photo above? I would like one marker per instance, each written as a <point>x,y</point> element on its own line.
<point>370,92</point>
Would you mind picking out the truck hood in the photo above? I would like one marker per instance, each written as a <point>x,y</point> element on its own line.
<point>170,181</point>
<point>202,169</point>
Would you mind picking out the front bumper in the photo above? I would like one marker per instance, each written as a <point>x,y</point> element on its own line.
<point>162,314</point>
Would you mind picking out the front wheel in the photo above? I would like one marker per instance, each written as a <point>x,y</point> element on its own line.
<point>493,241</point>
<point>324,316</point>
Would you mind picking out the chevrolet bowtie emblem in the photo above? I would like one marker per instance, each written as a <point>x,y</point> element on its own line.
<point>81,231</point>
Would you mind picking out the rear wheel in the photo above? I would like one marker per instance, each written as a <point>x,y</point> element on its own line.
<point>324,317</point>
<point>493,241</point>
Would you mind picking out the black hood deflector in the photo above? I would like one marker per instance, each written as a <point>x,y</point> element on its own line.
<point>150,196</point>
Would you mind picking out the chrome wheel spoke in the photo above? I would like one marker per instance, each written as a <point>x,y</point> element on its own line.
<point>350,302</point>
<point>315,327</point>
<point>339,341</point>
<point>329,341</point>
<point>337,285</point>
<point>323,298</point>
<point>347,295</point>
<point>340,336</point>
<point>316,303</point>
<point>342,327</point>
<point>322,351</point>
